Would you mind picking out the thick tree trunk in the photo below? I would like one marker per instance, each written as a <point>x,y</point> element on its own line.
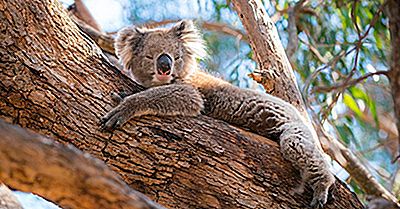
<point>36,164</point>
<point>393,12</point>
<point>55,81</point>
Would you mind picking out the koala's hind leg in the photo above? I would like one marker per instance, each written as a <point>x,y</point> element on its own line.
<point>297,146</point>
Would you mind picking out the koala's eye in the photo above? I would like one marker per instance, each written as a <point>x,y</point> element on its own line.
<point>177,58</point>
<point>149,57</point>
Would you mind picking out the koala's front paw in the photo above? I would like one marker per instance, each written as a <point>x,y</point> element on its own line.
<point>114,119</point>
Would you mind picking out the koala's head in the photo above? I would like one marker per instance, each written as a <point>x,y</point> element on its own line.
<point>159,56</point>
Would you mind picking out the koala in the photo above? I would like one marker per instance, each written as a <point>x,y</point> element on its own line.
<point>164,60</point>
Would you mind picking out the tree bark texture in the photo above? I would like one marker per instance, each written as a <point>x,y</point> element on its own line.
<point>73,179</point>
<point>393,12</point>
<point>55,81</point>
<point>272,61</point>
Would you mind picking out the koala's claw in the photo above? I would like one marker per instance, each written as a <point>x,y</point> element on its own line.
<point>331,198</point>
<point>119,97</point>
<point>111,121</point>
<point>317,203</point>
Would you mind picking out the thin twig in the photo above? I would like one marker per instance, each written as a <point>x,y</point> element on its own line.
<point>323,89</point>
<point>315,51</point>
<point>218,27</point>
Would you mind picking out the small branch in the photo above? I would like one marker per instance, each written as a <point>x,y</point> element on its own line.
<point>354,19</point>
<point>315,73</point>
<point>292,29</point>
<point>217,27</point>
<point>72,179</point>
<point>349,83</point>
<point>293,42</point>
<point>106,42</point>
<point>374,19</point>
<point>315,52</point>
<point>80,10</point>
<point>223,28</point>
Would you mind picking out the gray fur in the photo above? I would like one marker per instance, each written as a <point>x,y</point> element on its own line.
<point>190,91</point>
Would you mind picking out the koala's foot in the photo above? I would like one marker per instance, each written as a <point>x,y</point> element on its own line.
<point>114,119</point>
<point>323,191</point>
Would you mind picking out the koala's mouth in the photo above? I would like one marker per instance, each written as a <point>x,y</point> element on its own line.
<point>163,78</point>
<point>161,72</point>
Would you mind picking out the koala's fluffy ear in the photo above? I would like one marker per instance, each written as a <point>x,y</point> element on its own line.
<point>190,37</point>
<point>125,43</point>
<point>182,27</point>
<point>126,37</point>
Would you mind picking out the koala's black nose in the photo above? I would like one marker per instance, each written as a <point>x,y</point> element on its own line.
<point>164,64</point>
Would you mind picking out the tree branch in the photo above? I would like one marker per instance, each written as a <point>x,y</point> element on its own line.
<point>349,83</point>
<point>106,42</point>
<point>293,42</point>
<point>217,27</point>
<point>393,12</point>
<point>80,10</point>
<point>33,163</point>
<point>315,52</point>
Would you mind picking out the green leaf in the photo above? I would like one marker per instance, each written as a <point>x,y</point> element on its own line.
<point>378,39</point>
<point>355,187</point>
<point>343,134</point>
<point>369,102</point>
<point>358,93</point>
<point>352,104</point>
<point>372,108</point>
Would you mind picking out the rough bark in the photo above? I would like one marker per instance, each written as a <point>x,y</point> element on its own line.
<point>55,81</point>
<point>277,77</point>
<point>269,52</point>
<point>393,12</point>
<point>31,162</point>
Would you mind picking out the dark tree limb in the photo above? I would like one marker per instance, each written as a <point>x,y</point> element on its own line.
<point>393,12</point>
<point>33,163</point>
